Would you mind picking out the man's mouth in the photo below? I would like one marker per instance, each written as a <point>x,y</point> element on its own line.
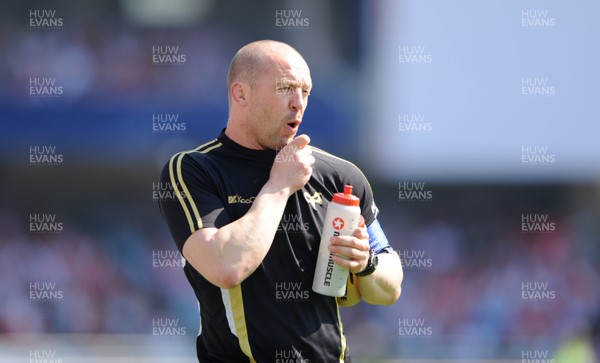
<point>293,126</point>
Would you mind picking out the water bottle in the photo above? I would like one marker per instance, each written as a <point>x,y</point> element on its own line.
<point>352,295</point>
<point>342,218</point>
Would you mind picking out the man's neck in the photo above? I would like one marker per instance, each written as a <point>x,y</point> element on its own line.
<point>240,137</point>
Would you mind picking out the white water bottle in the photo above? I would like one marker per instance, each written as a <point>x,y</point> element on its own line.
<point>342,218</point>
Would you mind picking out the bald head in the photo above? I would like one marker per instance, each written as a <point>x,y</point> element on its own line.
<point>254,58</point>
<point>268,85</point>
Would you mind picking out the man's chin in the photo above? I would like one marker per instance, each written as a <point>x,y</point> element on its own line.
<point>283,142</point>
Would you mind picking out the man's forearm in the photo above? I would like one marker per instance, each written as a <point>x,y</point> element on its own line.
<point>226,256</point>
<point>231,253</point>
<point>383,286</point>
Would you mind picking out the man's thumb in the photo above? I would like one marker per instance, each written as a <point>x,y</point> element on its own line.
<point>300,141</point>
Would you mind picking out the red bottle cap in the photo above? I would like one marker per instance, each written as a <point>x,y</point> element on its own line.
<point>346,198</point>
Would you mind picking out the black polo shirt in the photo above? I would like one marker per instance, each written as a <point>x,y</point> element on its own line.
<point>273,315</point>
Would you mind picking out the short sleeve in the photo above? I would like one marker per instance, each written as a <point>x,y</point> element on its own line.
<point>193,202</point>
<point>378,242</point>
<point>362,189</point>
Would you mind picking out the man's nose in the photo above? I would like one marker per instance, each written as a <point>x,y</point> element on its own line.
<point>296,100</point>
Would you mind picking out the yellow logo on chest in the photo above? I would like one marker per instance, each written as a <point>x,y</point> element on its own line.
<point>314,199</point>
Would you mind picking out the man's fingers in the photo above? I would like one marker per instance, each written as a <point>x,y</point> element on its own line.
<point>292,167</point>
<point>311,160</point>
<point>347,252</point>
<point>361,233</point>
<point>350,241</point>
<point>300,141</point>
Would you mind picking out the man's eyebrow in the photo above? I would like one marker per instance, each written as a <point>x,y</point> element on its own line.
<point>302,84</point>
<point>290,82</point>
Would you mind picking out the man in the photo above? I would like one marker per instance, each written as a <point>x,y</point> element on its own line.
<point>249,217</point>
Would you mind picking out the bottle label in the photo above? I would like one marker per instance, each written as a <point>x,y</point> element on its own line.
<point>338,224</point>
<point>329,271</point>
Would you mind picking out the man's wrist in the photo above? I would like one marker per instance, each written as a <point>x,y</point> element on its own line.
<point>371,265</point>
<point>272,188</point>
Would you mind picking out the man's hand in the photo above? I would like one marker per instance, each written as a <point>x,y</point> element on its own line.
<point>293,166</point>
<point>383,286</point>
<point>351,251</point>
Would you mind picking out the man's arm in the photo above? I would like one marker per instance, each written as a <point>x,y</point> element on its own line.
<point>382,287</point>
<point>226,256</point>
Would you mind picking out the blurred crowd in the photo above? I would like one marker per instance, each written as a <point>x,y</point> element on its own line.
<point>78,282</point>
<point>116,63</point>
<point>464,281</point>
<point>481,287</point>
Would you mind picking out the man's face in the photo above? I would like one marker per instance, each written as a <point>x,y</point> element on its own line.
<point>279,98</point>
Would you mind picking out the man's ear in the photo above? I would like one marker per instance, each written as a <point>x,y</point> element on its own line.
<point>240,91</point>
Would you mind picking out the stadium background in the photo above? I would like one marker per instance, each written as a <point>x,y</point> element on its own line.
<point>421,95</point>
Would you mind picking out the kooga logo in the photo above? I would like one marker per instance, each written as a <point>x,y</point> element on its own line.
<point>232,199</point>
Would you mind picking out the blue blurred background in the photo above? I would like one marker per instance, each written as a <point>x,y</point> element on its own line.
<point>487,111</point>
